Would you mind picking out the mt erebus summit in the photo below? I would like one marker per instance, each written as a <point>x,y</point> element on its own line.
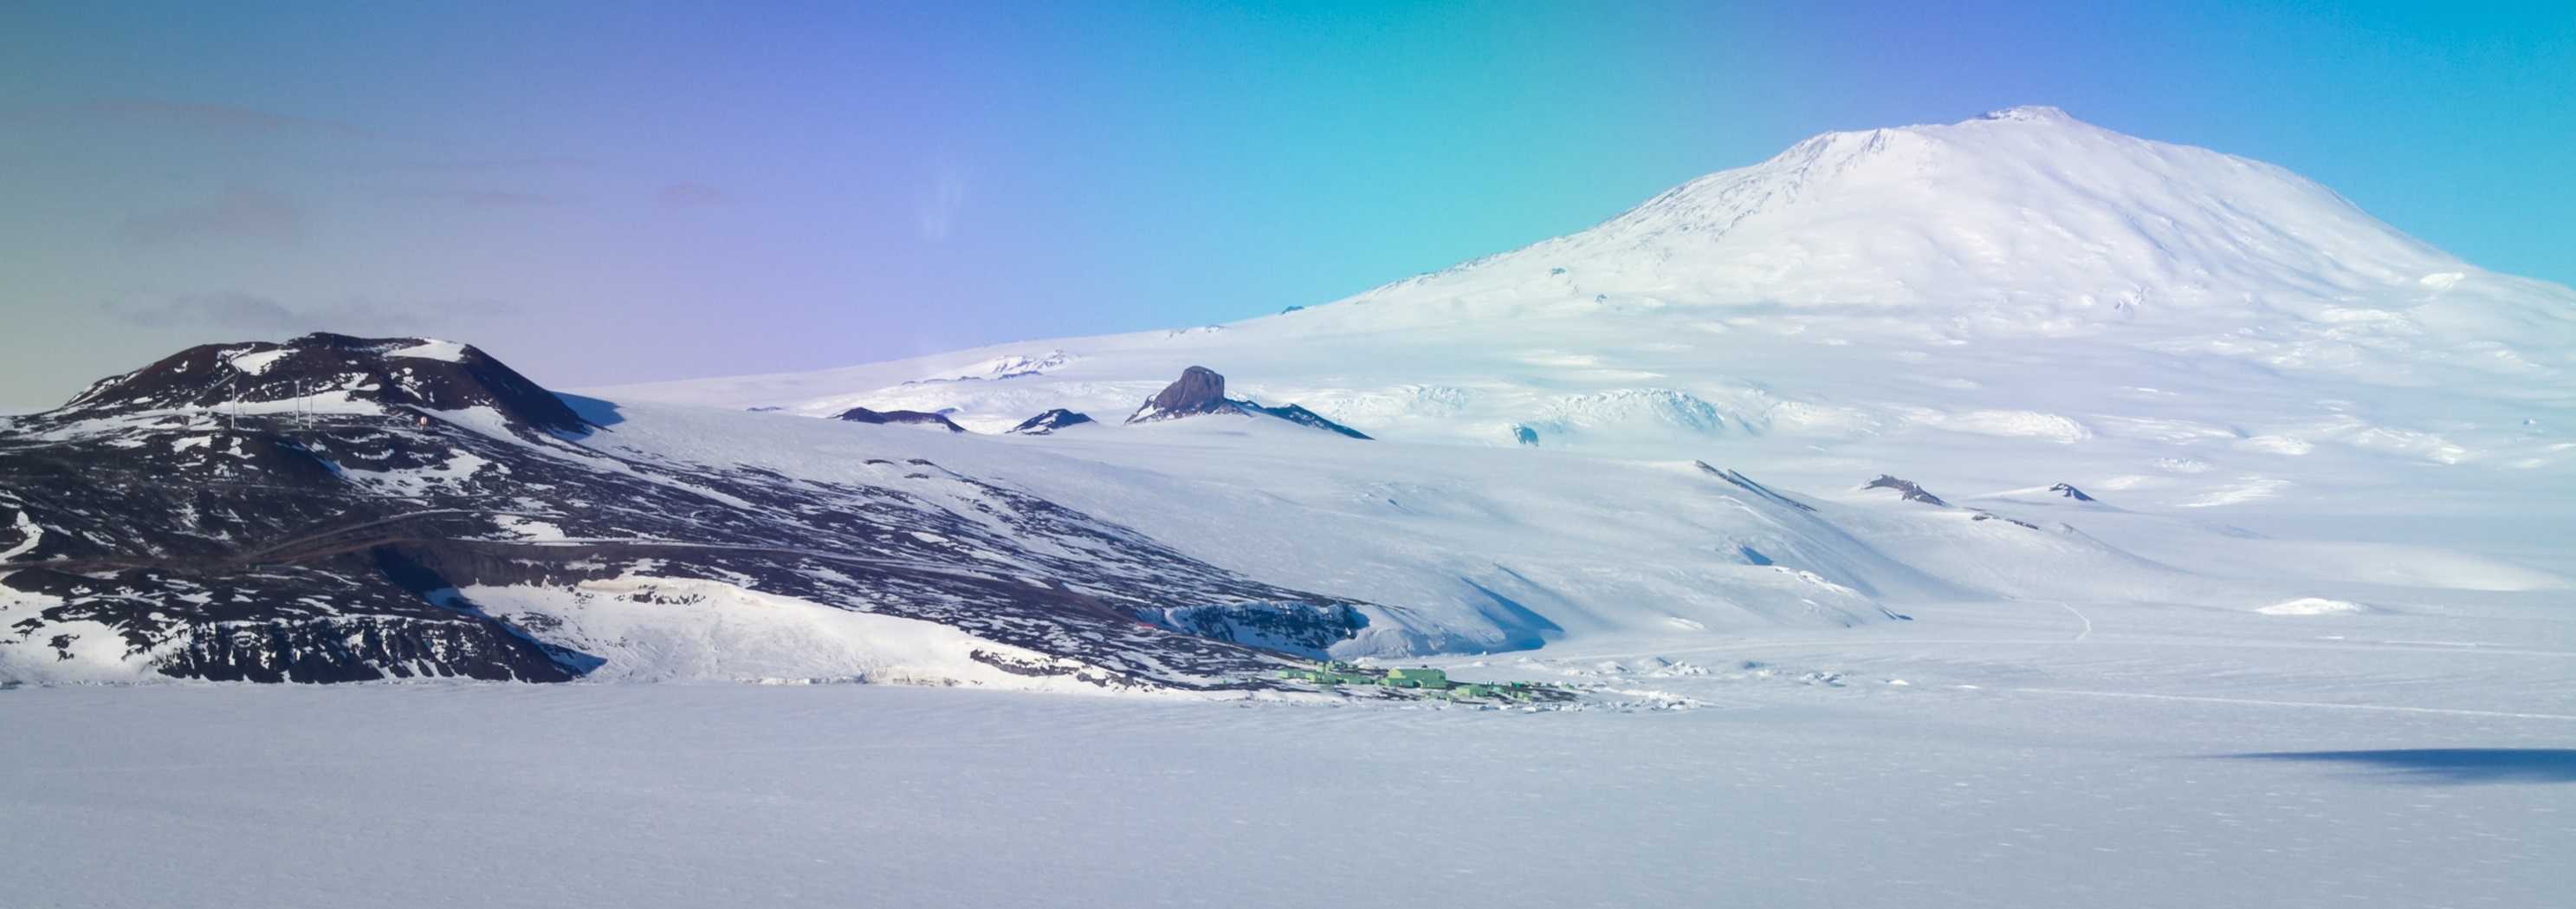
<point>2024,219</point>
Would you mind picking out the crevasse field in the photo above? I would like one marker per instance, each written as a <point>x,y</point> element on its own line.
<point>2305,640</point>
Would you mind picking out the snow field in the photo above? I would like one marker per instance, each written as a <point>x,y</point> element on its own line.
<point>657,629</point>
<point>2155,763</point>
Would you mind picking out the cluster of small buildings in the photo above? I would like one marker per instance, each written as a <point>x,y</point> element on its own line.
<point>1329,674</point>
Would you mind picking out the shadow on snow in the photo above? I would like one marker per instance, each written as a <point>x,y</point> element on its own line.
<point>2448,765</point>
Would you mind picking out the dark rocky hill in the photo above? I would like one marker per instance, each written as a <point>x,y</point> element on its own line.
<point>308,512</point>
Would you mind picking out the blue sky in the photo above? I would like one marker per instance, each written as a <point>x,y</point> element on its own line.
<point>615,192</point>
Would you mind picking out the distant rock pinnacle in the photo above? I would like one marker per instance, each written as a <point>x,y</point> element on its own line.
<point>1198,391</point>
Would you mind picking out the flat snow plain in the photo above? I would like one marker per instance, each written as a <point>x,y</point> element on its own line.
<point>2108,755</point>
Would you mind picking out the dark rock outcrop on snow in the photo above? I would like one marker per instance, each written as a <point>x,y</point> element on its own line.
<point>1300,628</point>
<point>864,415</point>
<point>2070,492</point>
<point>1302,417</point>
<point>1746,483</point>
<point>1980,514</point>
<point>1050,421</point>
<point>1201,390</point>
<point>328,538</point>
<point>1905,489</point>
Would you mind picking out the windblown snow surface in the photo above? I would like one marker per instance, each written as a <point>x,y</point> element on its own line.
<point>2304,640</point>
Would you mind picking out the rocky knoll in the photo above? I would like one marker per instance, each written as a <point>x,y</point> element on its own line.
<point>1201,390</point>
<point>864,415</point>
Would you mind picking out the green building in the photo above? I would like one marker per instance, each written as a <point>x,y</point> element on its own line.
<point>1417,678</point>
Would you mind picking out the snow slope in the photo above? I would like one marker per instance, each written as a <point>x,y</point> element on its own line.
<point>2267,394</point>
<point>2023,279</point>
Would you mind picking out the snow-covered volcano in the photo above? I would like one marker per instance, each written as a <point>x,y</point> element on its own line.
<point>2036,295</point>
<point>2208,349</point>
<point>2024,220</point>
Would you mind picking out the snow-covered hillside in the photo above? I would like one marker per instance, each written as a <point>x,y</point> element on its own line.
<point>2261,393</point>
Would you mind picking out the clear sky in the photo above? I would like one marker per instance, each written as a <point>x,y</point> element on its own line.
<point>634,190</point>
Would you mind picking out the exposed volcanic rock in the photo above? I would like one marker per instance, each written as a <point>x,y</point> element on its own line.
<point>1905,489</point>
<point>158,526</point>
<point>2070,492</point>
<point>327,371</point>
<point>1980,514</point>
<point>864,415</point>
<point>1746,483</point>
<point>330,618</point>
<point>1298,628</point>
<point>1300,416</point>
<point>1050,421</point>
<point>1201,391</point>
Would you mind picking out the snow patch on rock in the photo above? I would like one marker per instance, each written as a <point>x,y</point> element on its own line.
<point>257,362</point>
<point>448,351</point>
<point>29,534</point>
<point>78,652</point>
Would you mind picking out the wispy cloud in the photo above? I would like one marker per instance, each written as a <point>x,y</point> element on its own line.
<point>939,209</point>
<point>219,115</point>
<point>219,310</point>
<point>496,164</point>
<point>256,315</point>
<point>238,212</point>
<point>691,195</point>
<point>163,114</point>
<point>477,197</point>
